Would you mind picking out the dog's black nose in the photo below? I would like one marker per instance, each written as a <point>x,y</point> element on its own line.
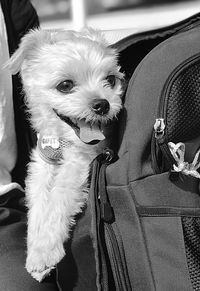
<point>100,106</point>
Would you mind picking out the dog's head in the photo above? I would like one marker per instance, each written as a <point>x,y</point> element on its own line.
<point>72,81</point>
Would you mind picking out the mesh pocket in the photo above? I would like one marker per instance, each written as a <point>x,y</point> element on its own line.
<point>183,105</point>
<point>191,231</point>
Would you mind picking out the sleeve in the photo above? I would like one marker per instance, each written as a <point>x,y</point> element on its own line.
<point>20,16</point>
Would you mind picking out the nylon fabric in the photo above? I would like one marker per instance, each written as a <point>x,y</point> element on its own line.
<point>142,100</point>
<point>165,244</point>
<point>191,231</point>
<point>183,106</point>
<point>147,206</point>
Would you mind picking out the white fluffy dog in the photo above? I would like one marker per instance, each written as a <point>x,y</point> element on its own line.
<point>73,86</point>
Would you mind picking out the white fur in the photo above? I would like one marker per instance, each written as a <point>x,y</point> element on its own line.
<point>55,193</point>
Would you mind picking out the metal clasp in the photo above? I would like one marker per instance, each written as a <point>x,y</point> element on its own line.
<point>108,155</point>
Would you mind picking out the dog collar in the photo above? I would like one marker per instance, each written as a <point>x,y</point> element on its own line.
<point>50,148</point>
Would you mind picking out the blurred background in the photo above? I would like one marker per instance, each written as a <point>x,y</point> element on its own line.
<point>118,18</point>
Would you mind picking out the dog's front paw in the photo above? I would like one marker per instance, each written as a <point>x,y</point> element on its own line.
<point>39,262</point>
<point>36,266</point>
<point>39,276</point>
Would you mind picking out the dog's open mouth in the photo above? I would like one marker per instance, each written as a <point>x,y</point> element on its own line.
<point>89,133</point>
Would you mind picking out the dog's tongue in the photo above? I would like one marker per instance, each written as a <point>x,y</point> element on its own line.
<point>89,133</point>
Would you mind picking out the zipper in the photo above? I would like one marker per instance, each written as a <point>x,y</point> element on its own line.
<point>118,265</point>
<point>171,30</point>
<point>102,273</point>
<point>160,136</point>
<point>113,252</point>
<point>193,24</point>
<point>113,246</point>
<point>152,211</point>
<point>103,277</point>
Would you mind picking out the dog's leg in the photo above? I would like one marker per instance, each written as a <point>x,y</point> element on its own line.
<point>39,182</point>
<point>57,197</point>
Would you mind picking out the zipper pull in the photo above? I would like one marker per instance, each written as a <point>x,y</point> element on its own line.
<point>159,128</point>
<point>107,213</point>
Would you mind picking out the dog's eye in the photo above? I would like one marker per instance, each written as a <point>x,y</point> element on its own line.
<point>65,86</point>
<point>111,80</point>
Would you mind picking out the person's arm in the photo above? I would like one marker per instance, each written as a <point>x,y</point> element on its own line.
<point>20,16</point>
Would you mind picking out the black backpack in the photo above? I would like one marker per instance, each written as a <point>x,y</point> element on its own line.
<point>141,229</point>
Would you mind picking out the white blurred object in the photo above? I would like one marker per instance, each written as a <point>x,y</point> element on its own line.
<point>8,145</point>
<point>122,23</point>
<point>111,4</point>
<point>78,9</point>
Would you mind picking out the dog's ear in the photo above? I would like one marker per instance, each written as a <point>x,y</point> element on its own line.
<point>86,32</point>
<point>94,35</point>
<point>27,47</point>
